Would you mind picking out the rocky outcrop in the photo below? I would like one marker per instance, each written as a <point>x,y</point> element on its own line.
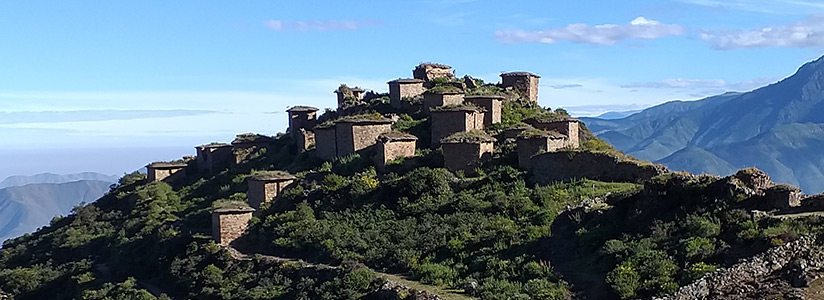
<point>392,290</point>
<point>568,165</point>
<point>793,264</point>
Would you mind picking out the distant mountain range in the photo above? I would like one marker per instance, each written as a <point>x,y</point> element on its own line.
<point>30,202</point>
<point>778,128</point>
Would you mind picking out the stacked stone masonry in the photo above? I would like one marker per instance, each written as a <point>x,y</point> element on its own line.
<point>532,145</point>
<point>394,146</point>
<point>466,156</point>
<point>230,224</point>
<point>450,121</point>
<point>523,82</point>
<point>432,100</point>
<point>567,127</point>
<point>568,165</point>
<point>400,89</point>
<point>212,157</point>
<point>429,71</point>
<point>492,105</point>
<point>264,189</point>
<point>160,171</point>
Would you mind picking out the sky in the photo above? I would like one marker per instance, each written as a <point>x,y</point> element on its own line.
<point>109,86</point>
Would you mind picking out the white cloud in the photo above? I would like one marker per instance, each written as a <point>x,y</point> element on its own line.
<point>606,34</point>
<point>280,25</point>
<point>566,86</point>
<point>704,84</point>
<point>805,34</point>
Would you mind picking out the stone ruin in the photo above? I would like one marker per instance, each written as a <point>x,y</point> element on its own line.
<point>400,89</point>
<point>213,156</point>
<point>347,94</point>
<point>492,105</point>
<point>164,171</point>
<point>428,72</point>
<point>301,121</point>
<point>267,186</point>
<point>783,196</point>
<point>466,151</point>
<point>524,82</point>
<point>247,144</point>
<point>442,98</point>
<point>532,142</point>
<point>446,120</point>
<point>569,127</point>
<point>394,145</point>
<point>229,223</point>
<point>754,179</point>
<point>349,135</point>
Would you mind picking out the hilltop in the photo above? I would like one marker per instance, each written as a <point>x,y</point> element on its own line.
<point>776,128</point>
<point>445,188</point>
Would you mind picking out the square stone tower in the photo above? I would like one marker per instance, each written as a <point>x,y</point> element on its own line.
<point>326,142</point>
<point>346,93</point>
<point>354,135</point>
<point>492,105</point>
<point>445,121</point>
<point>524,82</point>
<point>404,88</point>
<point>534,141</point>
<point>302,117</point>
<point>466,151</point>
<point>394,145</point>
<point>429,71</point>
<point>163,171</point>
<point>565,126</point>
<point>214,156</point>
<point>267,186</point>
<point>229,223</point>
<point>247,144</point>
<point>443,98</point>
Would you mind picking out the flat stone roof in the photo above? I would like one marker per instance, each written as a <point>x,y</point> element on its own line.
<point>434,65</point>
<point>396,136</point>
<point>556,120</point>
<point>498,97</point>
<point>300,108</point>
<point>214,145</point>
<point>472,137</point>
<point>453,108</point>
<point>445,92</point>
<point>406,80</point>
<point>252,138</point>
<point>230,210</point>
<point>532,133</point>
<point>519,74</point>
<point>357,89</point>
<point>167,165</point>
<point>272,176</point>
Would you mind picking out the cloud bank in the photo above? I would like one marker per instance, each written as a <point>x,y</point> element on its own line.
<point>281,25</point>
<point>605,34</point>
<point>805,34</point>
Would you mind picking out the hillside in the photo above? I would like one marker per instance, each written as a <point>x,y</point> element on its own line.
<point>479,216</point>
<point>23,209</point>
<point>775,128</point>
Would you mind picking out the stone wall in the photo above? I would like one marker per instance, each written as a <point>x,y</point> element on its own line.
<point>447,122</point>
<point>431,100</point>
<point>550,167</point>
<point>783,196</point>
<point>158,174</point>
<point>527,85</point>
<point>392,150</point>
<point>400,89</point>
<point>303,138</point>
<point>528,147</point>
<point>429,72</point>
<point>262,191</point>
<point>302,119</point>
<point>570,128</point>
<point>211,158</point>
<point>227,226</point>
<point>492,115</point>
<point>353,137</point>
<point>466,157</point>
<point>751,278</point>
<point>325,143</point>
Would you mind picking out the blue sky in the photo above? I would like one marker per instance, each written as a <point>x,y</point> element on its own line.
<point>108,86</point>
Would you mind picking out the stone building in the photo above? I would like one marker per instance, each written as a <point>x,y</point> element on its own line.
<point>247,144</point>
<point>229,223</point>
<point>783,196</point>
<point>347,94</point>
<point>532,142</point>
<point>513,132</point>
<point>301,121</point>
<point>404,88</point>
<point>349,135</point>
<point>163,171</point>
<point>429,71</point>
<point>394,145</point>
<point>754,179</point>
<point>267,186</point>
<point>524,82</point>
<point>442,98</point>
<point>490,103</point>
<point>567,126</point>
<point>466,151</point>
<point>214,156</point>
<point>446,121</point>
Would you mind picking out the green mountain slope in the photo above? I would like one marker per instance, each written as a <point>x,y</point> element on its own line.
<point>728,126</point>
<point>25,208</point>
